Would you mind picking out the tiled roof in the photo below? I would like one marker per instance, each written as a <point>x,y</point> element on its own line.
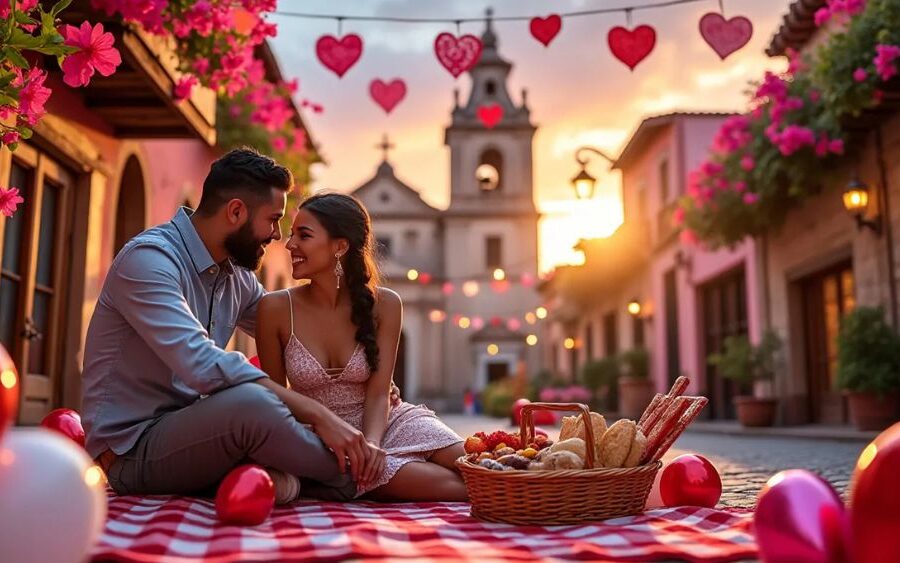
<point>798,25</point>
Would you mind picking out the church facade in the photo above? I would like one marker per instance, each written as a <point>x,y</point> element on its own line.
<point>465,273</point>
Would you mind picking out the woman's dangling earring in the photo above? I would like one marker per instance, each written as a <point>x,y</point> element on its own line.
<point>338,269</point>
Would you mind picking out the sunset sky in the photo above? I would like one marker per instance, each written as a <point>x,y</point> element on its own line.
<point>577,91</point>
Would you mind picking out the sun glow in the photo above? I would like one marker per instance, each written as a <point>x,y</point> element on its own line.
<point>565,222</point>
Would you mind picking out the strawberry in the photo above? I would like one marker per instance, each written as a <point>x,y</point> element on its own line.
<point>475,445</point>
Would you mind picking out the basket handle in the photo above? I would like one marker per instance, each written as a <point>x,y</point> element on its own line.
<point>526,425</point>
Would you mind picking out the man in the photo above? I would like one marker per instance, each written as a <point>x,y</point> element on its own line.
<point>166,409</point>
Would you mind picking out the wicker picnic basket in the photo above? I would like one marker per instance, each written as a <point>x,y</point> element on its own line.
<point>593,493</point>
<point>557,497</point>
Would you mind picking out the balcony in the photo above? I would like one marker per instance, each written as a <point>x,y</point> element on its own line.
<point>665,229</point>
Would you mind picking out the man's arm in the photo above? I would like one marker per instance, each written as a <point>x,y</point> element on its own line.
<point>144,286</point>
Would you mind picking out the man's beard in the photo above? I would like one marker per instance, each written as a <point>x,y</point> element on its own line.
<point>243,247</point>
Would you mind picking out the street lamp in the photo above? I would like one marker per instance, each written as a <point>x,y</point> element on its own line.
<point>583,182</point>
<point>856,201</point>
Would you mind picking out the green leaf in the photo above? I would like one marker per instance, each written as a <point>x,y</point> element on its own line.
<point>6,100</point>
<point>23,18</point>
<point>59,7</point>
<point>22,40</point>
<point>15,57</point>
<point>26,133</point>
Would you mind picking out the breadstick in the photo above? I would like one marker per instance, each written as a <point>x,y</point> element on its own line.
<point>696,405</point>
<point>665,426</point>
<point>650,409</point>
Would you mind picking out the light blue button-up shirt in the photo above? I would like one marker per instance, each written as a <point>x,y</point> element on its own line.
<point>156,340</point>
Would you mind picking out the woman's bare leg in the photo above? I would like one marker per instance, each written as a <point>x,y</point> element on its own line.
<point>446,457</point>
<point>422,482</point>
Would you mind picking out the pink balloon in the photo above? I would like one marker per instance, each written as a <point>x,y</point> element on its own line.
<point>517,410</point>
<point>246,496</point>
<point>690,480</point>
<point>67,422</point>
<point>875,500</point>
<point>800,519</point>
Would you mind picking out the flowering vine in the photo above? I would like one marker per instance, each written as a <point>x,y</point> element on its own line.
<point>764,162</point>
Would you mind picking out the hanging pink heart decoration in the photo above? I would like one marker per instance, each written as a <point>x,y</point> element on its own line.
<point>725,36</point>
<point>545,29</point>
<point>457,55</point>
<point>631,46</point>
<point>338,55</point>
<point>387,94</point>
<point>490,115</point>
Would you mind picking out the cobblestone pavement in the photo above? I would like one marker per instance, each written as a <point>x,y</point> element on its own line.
<point>744,462</point>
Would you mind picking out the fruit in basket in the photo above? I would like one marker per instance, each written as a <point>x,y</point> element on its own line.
<point>475,445</point>
<point>540,442</point>
<point>515,461</point>
<point>492,464</point>
<point>506,450</point>
<point>616,443</point>
<point>485,455</point>
<point>500,437</point>
<point>530,453</point>
<point>574,445</point>
<point>573,427</point>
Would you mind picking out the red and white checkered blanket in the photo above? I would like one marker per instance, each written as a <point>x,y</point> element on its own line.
<point>181,529</point>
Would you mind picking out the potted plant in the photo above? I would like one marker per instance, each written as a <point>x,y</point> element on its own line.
<point>600,377</point>
<point>635,386</point>
<point>868,368</point>
<point>747,364</point>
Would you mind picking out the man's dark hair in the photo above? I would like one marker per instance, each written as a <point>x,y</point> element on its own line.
<point>242,173</point>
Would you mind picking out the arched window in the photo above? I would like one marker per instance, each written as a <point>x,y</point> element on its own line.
<point>490,88</point>
<point>489,173</point>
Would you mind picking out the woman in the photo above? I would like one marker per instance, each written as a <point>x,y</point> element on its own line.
<point>335,340</point>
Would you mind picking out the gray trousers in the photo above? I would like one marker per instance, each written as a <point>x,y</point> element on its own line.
<point>189,451</point>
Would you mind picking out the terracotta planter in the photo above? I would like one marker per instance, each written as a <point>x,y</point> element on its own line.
<point>869,411</point>
<point>753,412</point>
<point>635,393</point>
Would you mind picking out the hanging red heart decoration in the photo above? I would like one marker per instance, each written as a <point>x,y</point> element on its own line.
<point>490,115</point>
<point>725,36</point>
<point>387,95</point>
<point>457,55</point>
<point>338,55</point>
<point>545,29</point>
<point>631,46</point>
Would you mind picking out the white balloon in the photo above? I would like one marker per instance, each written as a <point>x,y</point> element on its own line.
<point>52,498</point>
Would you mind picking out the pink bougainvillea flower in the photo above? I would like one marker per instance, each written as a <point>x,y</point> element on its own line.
<point>32,96</point>
<point>183,88</point>
<point>97,54</point>
<point>279,144</point>
<point>9,138</point>
<point>740,187</point>
<point>299,143</point>
<point>860,74</point>
<point>747,163</point>
<point>21,5</point>
<point>9,201</point>
<point>678,216</point>
<point>750,198</point>
<point>884,61</point>
<point>836,146</point>
<point>688,237</point>
<point>201,65</point>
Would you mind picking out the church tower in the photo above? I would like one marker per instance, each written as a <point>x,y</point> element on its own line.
<point>490,227</point>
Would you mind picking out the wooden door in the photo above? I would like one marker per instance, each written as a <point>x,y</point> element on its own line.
<point>35,262</point>
<point>827,296</point>
<point>724,314</point>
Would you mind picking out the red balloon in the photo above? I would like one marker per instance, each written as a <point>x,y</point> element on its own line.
<point>800,519</point>
<point>690,480</point>
<point>516,410</point>
<point>67,422</point>
<point>9,390</point>
<point>246,496</point>
<point>875,500</point>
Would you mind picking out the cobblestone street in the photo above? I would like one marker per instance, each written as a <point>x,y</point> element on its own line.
<point>744,462</point>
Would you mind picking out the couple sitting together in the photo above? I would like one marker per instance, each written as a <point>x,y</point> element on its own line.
<point>167,410</point>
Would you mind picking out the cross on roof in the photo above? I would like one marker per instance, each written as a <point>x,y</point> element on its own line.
<point>385,145</point>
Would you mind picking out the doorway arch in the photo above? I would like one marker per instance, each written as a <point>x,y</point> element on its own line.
<point>131,207</point>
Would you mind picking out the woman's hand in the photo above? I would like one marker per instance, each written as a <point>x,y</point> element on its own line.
<point>376,461</point>
<point>347,442</point>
